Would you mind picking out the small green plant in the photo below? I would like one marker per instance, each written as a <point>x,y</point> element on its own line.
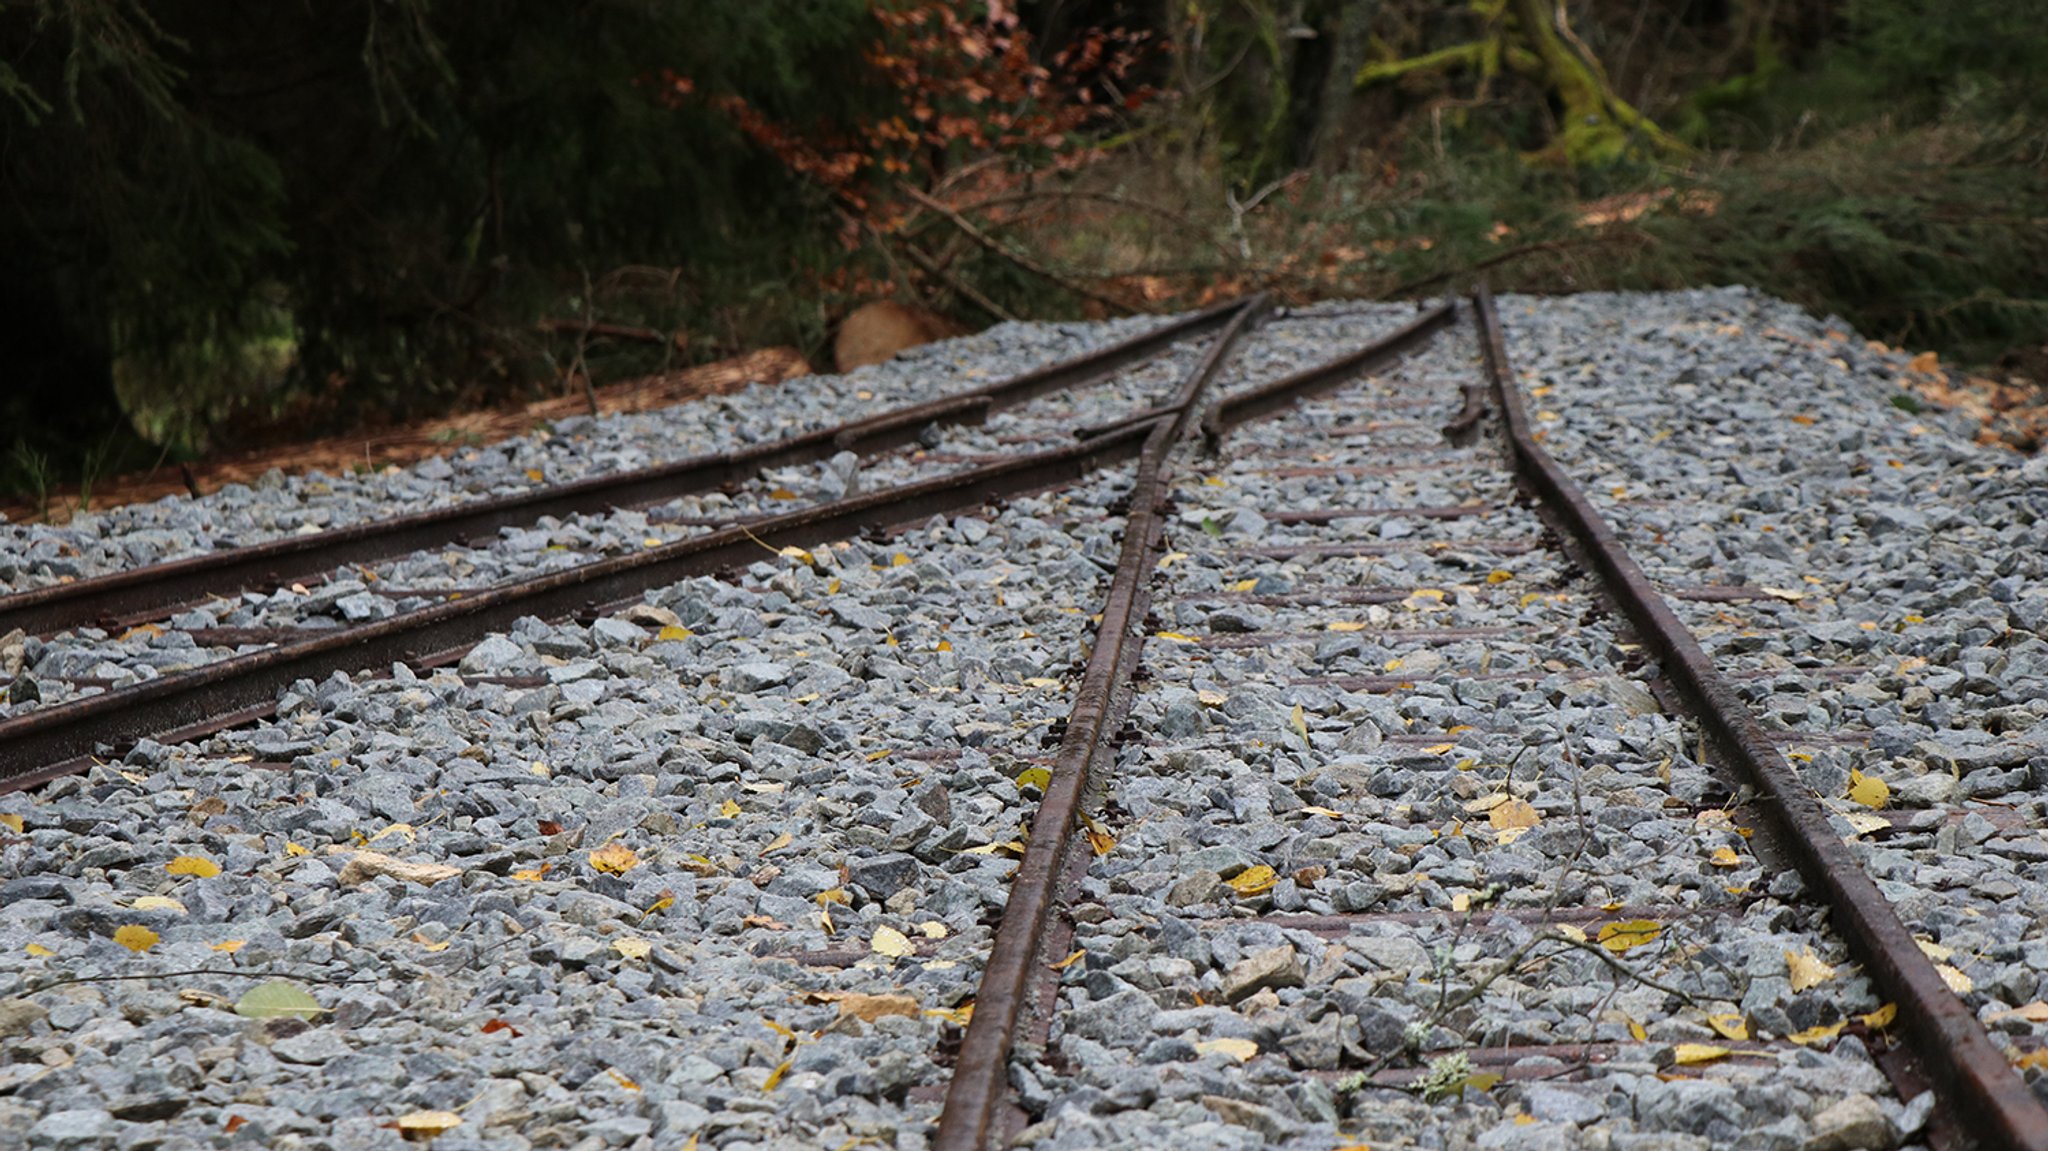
<point>32,475</point>
<point>1907,402</point>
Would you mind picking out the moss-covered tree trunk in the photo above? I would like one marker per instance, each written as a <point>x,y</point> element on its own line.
<point>1598,127</point>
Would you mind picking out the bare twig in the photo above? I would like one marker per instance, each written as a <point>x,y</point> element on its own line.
<point>971,231</point>
<point>965,290</point>
<point>680,340</point>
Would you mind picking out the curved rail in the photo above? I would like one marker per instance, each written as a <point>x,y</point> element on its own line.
<point>58,740</point>
<point>278,562</point>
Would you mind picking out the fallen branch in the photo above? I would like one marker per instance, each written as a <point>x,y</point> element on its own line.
<point>967,228</point>
<point>962,288</point>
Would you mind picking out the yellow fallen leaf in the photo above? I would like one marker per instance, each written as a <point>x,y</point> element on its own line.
<point>1175,636</point>
<point>1933,950</point>
<point>1725,857</point>
<point>614,858</point>
<point>135,937</point>
<point>892,943</point>
<point>1627,933</point>
<point>729,809</point>
<point>932,929</point>
<point>1312,809</point>
<point>1242,1050</point>
<point>1868,790</point>
<point>157,903</point>
<point>1424,599</point>
<point>534,474</point>
<point>672,633</point>
<point>1865,822</point>
<point>2032,1060</point>
<point>1688,1054</point>
<point>431,944</point>
<point>1242,585</point>
<point>959,1016</point>
<point>1957,982</point>
<point>1814,1036</point>
<point>622,1079</point>
<point>12,823</point>
<point>1344,625</point>
<point>1100,841</point>
<point>633,948</point>
<point>1298,719</point>
<point>193,865</point>
<point>1514,813</point>
<point>1170,559</point>
<point>1210,697</point>
<point>228,945</point>
<point>1636,1030</point>
<point>1070,960</point>
<point>39,951</point>
<point>422,1126</point>
<point>1806,969</point>
<point>533,874</point>
<point>1461,902</point>
<point>1730,1026</point>
<point>2035,1012</point>
<point>775,1076</point>
<point>778,843</point>
<point>1253,880</point>
<point>1037,777</point>
<point>1882,1018</point>
<point>404,829</point>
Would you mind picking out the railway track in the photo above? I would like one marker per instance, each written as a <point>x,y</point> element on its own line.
<point>1311,833</point>
<point>238,668</point>
<point>1078,1025</point>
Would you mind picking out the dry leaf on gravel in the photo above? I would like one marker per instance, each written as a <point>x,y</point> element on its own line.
<point>1628,933</point>
<point>614,858</point>
<point>135,937</point>
<point>1806,970</point>
<point>275,999</point>
<point>1255,880</point>
<point>892,943</point>
<point>868,1008</point>
<point>193,865</point>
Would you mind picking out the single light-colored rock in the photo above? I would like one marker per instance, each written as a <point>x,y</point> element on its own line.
<point>368,865</point>
<point>1857,1123</point>
<point>19,1016</point>
<point>1274,967</point>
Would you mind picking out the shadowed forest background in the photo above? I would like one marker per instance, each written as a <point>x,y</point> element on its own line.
<point>225,220</point>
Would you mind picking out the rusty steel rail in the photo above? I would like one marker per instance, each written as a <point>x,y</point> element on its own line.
<point>1979,1086</point>
<point>60,739</point>
<point>147,592</point>
<point>977,1098</point>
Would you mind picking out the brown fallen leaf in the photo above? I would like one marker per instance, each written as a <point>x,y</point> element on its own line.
<point>368,865</point>
<point>868,1008</point>
<point>616,858</point>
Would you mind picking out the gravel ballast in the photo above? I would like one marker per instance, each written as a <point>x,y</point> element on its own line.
<point>725,866</point>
